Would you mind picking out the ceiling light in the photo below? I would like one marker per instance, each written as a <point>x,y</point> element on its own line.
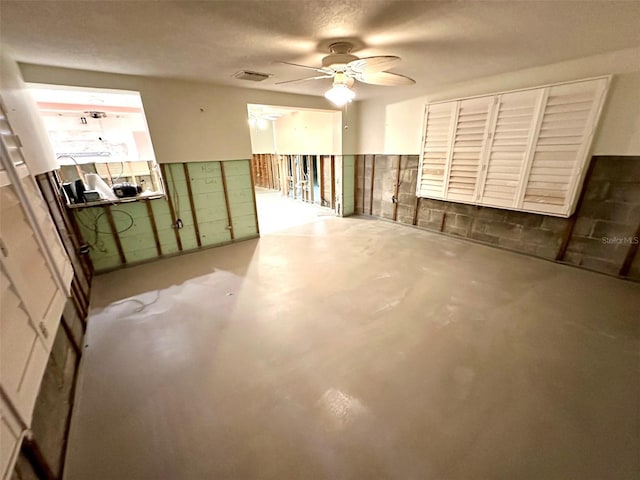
<point>340,95</point>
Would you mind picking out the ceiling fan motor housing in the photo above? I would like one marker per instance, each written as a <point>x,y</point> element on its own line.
<point>337,61</point>
<point>340,56</point>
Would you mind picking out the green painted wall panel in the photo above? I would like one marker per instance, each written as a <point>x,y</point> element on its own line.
<point>137,239</point>
<point>244,226</point>
<point>208,198</point>
<point>105,262</point>
<point>95,230</point>
<point>241,198</point>
<point>213,233</point>
<point>348,185</point>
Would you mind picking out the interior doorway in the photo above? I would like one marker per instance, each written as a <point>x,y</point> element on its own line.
<point>293,164</point>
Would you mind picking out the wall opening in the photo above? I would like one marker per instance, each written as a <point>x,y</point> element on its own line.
<point>293,163</point>
<point>100,138</point>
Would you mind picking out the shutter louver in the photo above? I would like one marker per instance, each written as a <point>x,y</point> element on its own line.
<point>435,151</point>
<point>468,146</point>
<point>10,140</point>
<point>560,151</point>
<point>511,137</point>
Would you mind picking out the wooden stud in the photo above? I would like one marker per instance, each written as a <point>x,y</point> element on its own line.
<point>226,200</point>
<point>373,174</point>
<point>321,180</point>
<point>355,184</point>
<point>397,190</point>
<point>70,337</point>
<point>81,301</point>
<point>364,178</point>
<point>154,227</point>
<point>32,452</point>
<point>254,165</point>
<point>444,217</point>
<point>310,184</point>
<point>255,207</point>
<point>78,234</point>
<point>50,189</point>
<point>415,212</point>
<point>152,177</point>
<point>106,164</point>
<point>259,171</point>
<point>192,204</point>
<point>631,254</point>
<point>269,170</point>
<point>263,172</point>
<point>172,210</point>
<point>114,231</point>
<point>572,220</point>
<point>333,182</point>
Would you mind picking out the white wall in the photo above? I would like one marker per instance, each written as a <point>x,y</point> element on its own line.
<point>394,125</point>
<point>262,139</point>
<point>188,121</point>
<point>124,135</point>
<point>24,117</point>
<point>309,132</point>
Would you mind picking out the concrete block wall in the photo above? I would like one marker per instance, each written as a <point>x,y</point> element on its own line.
<point>203,226</point>
<point>608,218</point>
<point>598,236</point>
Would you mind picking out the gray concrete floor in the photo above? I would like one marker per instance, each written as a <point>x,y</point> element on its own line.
<point>358,349</point>
<point>276,213</point>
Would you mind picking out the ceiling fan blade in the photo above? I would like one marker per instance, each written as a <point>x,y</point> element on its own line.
<point>321,70</point>
<point>373,64</point>
<point>304,79</point>
<point>385,78</point>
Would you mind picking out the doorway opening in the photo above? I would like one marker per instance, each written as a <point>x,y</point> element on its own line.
<point>293,164</point>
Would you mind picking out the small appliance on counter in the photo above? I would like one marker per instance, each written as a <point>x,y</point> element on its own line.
<point>126,190</point>
<point>92,196</point>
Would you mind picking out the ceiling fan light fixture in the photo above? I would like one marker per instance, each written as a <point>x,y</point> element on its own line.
<point>340,95</point>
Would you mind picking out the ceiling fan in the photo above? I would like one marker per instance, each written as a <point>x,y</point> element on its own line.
<point>345,68</point>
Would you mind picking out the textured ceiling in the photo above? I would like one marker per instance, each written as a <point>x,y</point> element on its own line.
<point>439,42</point>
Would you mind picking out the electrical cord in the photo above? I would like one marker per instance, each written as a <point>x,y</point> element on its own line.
<point>98,244</point>
<point>137,300</point>
<point>113,180</point>
<point>58,157</point>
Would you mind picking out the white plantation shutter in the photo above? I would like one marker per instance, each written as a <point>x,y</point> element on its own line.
<point>525,150</point>
<point>13,149</point>
<point>559,154</point>
<point>439,120</point>
<point>35,275</point>
<point>514,120</point>
<point>468,148</point>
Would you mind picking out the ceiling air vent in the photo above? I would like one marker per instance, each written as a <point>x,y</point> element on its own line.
<point>251,76</point>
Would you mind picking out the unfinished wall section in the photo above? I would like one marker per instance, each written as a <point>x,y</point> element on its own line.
<point>327,183</point>
<point>348,184</point>
<point>266,170</point>
<point>44,453</point>
<point>602,235</point>
<point>609,217</point>
<point>213,202</point>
